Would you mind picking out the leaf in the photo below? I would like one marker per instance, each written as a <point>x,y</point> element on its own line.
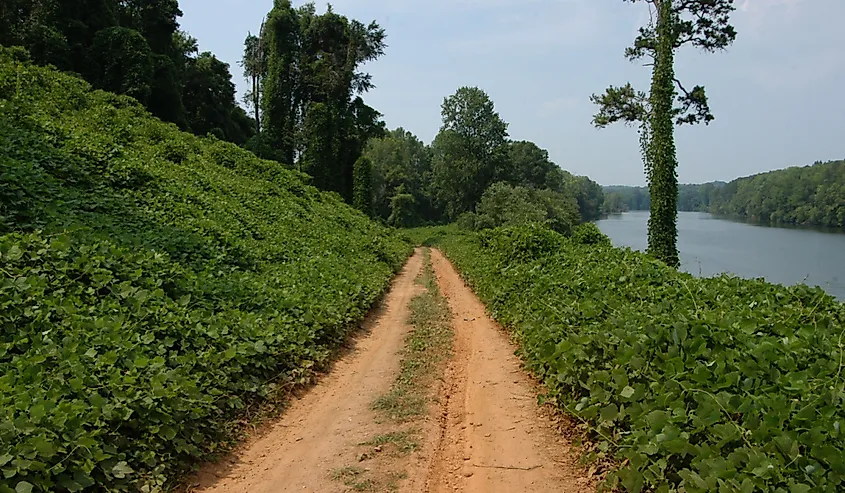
<point>121,470</point>
<point>609,413</point>
<point>24,487</point>
<point>627,392</point>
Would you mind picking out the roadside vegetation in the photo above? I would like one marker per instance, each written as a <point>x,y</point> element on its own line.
<point>696,385</point>
<point>154,284</point>
<point>168,260</point>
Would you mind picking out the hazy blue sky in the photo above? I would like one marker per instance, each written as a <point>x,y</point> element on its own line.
<point>778,93</point>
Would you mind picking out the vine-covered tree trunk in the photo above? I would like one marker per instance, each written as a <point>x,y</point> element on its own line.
<point>279,102</point>
<point>661,160</point>
<point>362,195</point>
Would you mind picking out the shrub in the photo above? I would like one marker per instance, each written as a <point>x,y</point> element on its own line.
<point>506,205</point>
<point>590,234</point>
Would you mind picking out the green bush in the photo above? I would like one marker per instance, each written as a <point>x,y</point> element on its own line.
<point>503,204</point>
<point>590,234</point>
<point>153,284</point>
<point>693,385</point>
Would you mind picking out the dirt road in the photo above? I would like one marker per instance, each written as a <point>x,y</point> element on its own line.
<point>318,432</point>
<point>485,432</point>
<point>494,437</point>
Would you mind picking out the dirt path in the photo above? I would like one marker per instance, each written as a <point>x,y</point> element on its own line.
<point>494,436</point>
<point>320,432</point>
<point>485,432</point>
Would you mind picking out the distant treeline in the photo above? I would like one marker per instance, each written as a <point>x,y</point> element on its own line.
<point>809,195</point>
<point>473,173</point>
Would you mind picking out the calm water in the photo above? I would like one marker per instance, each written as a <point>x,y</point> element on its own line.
<point>709,246</point>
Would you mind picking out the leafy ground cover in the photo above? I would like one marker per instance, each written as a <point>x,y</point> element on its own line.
<point>694,385</point>
<point>152,284</point>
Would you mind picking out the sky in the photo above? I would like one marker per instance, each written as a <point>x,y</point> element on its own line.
<point>778,93</point>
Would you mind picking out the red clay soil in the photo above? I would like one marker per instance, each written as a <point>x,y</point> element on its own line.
<point>495,438</point>
<point>485,432</point>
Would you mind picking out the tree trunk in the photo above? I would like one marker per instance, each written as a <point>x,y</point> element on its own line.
<point>661,160</point>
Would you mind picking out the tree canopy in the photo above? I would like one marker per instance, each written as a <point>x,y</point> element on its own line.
<point>471,172</point>
<point>311,109</point>
<point>469,152</point>
<point>131,47</point>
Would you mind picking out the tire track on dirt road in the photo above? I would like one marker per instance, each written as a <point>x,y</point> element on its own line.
<point>484,432</point>
<point>320,432</point>
<point>494,437</point>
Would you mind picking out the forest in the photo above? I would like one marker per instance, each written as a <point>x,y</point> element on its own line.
<point>306,109</point>
<point>802,195</point>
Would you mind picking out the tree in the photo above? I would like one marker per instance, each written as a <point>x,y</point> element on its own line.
<point>322,147</point>
<point>528,165</point>
<point>469,151</point>
<point>362,198</point>
<point>156,20</point>
<point>209,98</point>
<point>700,23</point>
<point>311,109</point>
<point>403,210</point>
<point>254,63</point>
<point>401,165</point>
<point>280,102</point>
<point>125,62</point>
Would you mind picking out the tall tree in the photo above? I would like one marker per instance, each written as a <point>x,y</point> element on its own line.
<point>156,20</point>
<point>254,63</point>
<point>469,151</point>
<point>280,103</point>
<point>704,24</point>
<point>125,62</point>
<point>209,97</point>
<point>310,103</point>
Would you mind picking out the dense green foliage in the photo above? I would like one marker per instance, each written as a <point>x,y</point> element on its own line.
<point>694,385</point>
<point>152,284</point>
<point>469,156</point>
<point>506,205</point>
<point>470,151</point>
<point>811,195</point>
<point>362,198</point>
<point>704,24</point>
<point>661,158</point>
<point>402,188</point>
<point>131,47</point>
<point>808,196</point>
<point>310,94</point>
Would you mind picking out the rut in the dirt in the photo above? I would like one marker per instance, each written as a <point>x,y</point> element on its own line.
<point>494,436</point>
<point>319,434</point>
<point>484,432</point>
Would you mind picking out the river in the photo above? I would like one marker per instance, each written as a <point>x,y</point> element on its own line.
<point>709,246</point>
